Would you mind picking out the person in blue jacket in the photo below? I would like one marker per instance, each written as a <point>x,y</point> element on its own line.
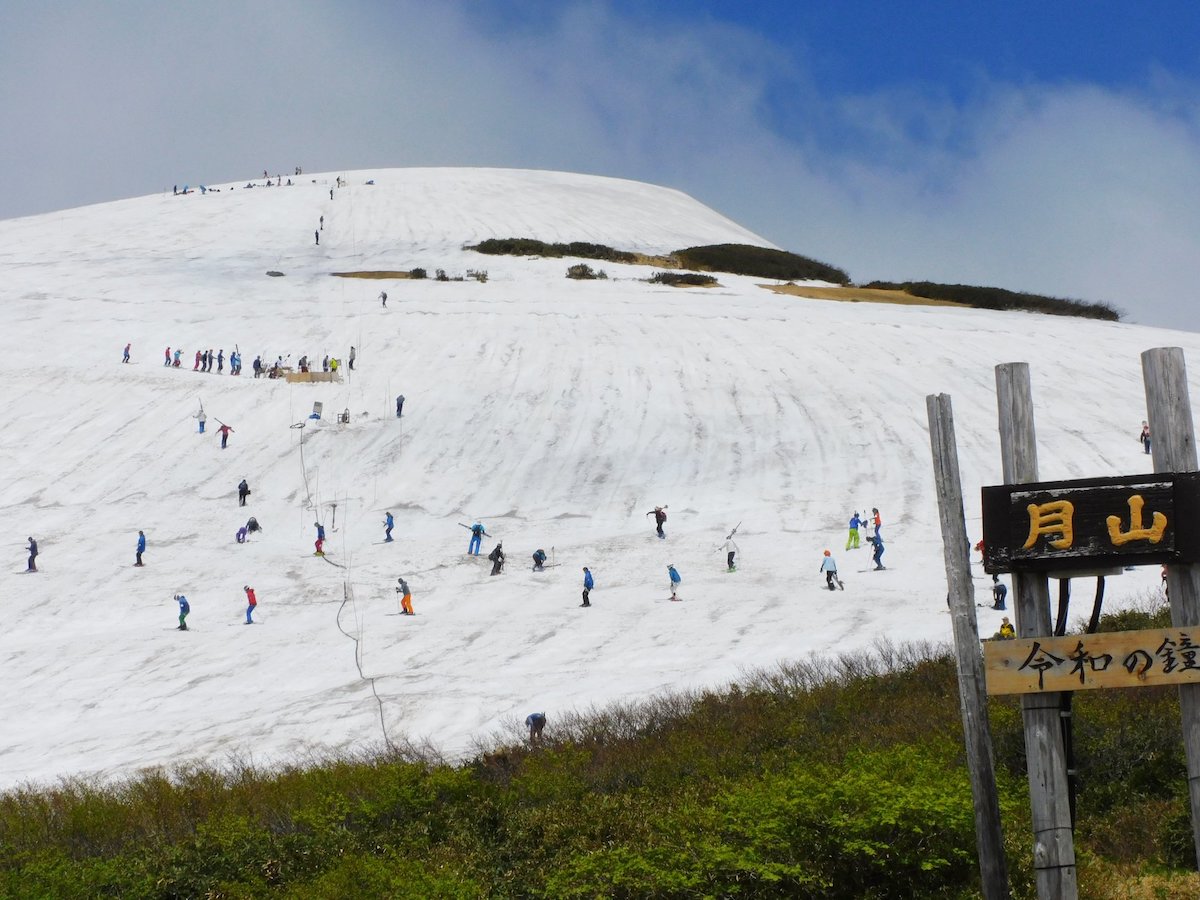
<point>320,542</point>
<point>852,539</point>
<point>675,579</point>
<point>535,722</point>
<point>588,584</point>
<point>539,559</point>
<point>33,554</point>
<point>141,547</point>
<point>184,609</point>
<point>388,522</point>
<point>877,556</point>
<point>477,533</point>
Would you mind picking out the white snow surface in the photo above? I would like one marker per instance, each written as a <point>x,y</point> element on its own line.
<point>556,412</point>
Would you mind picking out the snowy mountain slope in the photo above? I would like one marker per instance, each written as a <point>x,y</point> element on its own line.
<point>556,411</point>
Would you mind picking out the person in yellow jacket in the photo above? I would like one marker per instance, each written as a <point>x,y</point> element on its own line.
<point>1006,632</point>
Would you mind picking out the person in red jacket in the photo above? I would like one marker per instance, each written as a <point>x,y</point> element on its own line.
<point>252,600</point>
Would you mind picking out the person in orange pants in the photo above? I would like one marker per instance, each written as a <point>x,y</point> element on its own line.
<point>405,598</point>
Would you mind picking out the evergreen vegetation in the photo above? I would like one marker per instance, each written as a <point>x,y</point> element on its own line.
<point>842,778</point>
<point>531,247</point>
<point>694,279</point>
<point>760,262</point>
<point>999,298</point>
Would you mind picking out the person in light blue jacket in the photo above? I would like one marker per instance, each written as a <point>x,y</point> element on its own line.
<point>588,584</point>
<point>829,567</point>
<point>675,579</point>
<point>141,547</point>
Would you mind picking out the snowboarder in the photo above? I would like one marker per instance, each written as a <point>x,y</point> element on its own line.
<point>33,552</point>
<point>877,556</point>
<point>852,539</point>
<point>1144,437</point>
<point>141,547</point>
<point>252,602</point>
<point>588,584</point>
<point>253,526</point>
<point>539,559</point>
<point>497,558</point>
<point>477,535</point>
<point>201,418</point>
<point>399,405</point>
<point>731,550</point>
<point>405,598</point>
<point>167,357</point>
<point>675,579</point>
<point>383,298</point>
<point>535,722</point>
<point>387,526</point>
<point>660,516</point>
<point>999,593</point>
<point>353,357</point>
<point>184,609</point>
<point>320,542</point>
<point>243,492</point>
<point>829,567</point>
<point>126,358</point>
<point>224,432</point>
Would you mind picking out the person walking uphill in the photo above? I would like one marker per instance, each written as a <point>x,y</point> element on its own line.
<point>251,602</point>
<point>243,492</point>
<point>141,547</point>
<point>33,552</point>
<point>852,539</point>
<point>477,534</point>
<point>731,550</point>
<point>353,356</point>
<point>387,528</point>
<point>675,579</point>
<point>829,567</point>
<point>1144,437</point>
<point>224,432</point>
<point>588,584</point>
<point>660,516</point>
<point>184,609</point>
<point>497,558</point>
<point>405,598</point>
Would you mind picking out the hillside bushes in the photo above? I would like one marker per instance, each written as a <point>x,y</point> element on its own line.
<point>689,279</point>
<point>999,298</point>
<point>760,262</point>
<point>532,247</point>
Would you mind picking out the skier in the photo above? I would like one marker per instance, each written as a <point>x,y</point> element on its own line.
<point>477,534</point>
<point>855,524</point>
<point>405,598</point>
<point>588,584</point>
<point>497,558</point>
<point>184,609</point>
<point>253,526</point>
<point>999,593</point>
<point>201,418</point>
<point>731,550</point>
<point>387,524</point>
<point>675,579</point>
<point>399,405</point>
<point>829,567</point>
<point>252,601</point>
<point>383,297</point>
<point>1144,437</point>
<point>660,516</point>
<point>33,552</point>
<point>539,559</point>
<point>876,521</point>
<point>141,547</point>
<point>167,357</point>
<point>535,722</point>
<point>877,556</point>
<point>320,543</point>
<point>352,357</point>
<point>224,431</point>
<point>126,357</point>
<point>175,359</point>
<point>243,492</point>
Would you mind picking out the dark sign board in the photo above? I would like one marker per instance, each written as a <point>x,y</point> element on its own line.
<point>1092,522</point>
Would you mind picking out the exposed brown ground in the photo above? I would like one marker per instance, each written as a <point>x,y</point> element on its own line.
<point>857,295</point>
<point>371,274</point>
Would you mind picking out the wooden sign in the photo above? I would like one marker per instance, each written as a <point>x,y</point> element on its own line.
<point>1082,524</point>
<point>1081,662</point>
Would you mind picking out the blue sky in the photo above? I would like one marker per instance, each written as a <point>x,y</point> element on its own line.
<point>1050,147</point>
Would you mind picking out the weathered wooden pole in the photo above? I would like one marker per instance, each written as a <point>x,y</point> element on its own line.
<point>1173,445</point>
<point>972,689</point>
<point>1049,794</point>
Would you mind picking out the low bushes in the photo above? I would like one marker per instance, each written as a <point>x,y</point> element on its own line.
<point>999,298</point>
<point>689,279</point>
<point>761,262</point>
<point>532,247</point>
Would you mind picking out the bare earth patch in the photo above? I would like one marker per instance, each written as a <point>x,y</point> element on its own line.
<point>381,274</point>
<point>858,295</point>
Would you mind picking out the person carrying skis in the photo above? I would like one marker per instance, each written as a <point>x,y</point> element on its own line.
<point>829,567</point>
<point>184,609</point>
<point>588,584</point>
<point>33,552</point>
<point>852,539</point>
<point>477,534</point>
<point>877,556</point>
<point>201,418</point>
<point>243,492</point>
<point>539,559</point>
<point>405,598</point>
<point>320,543</point>
<point>252,602</point>
<point>1144,437</point>
<point>388,522</point>
<point>497,558</point>
<point>535,722</point>
<point>731,550</point>
<point>660,516</point>
<point>224,432</point>
<point>999,593</point>
<point>141,547</point>
<point>675,579</point>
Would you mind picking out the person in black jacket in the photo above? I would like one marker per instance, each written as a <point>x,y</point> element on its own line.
<point>497,558</point>
<point>243,492</point>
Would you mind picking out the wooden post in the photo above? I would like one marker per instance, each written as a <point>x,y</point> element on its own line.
<point>1173,445</point>
<point>1049,794</point>
<point>972,689</point>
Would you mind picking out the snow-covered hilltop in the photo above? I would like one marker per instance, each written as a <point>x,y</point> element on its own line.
<point>557,412</point>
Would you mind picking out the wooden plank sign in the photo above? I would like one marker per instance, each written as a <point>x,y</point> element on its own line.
<point>1082,524</point>
<point>1080,662</point>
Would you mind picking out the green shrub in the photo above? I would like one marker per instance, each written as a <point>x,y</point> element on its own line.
<point>417,273</point>
<point>761,262</point>
<point>532,247</point>
<point>582,271</point>
<point>999,298</point>
<point>684,278</point>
